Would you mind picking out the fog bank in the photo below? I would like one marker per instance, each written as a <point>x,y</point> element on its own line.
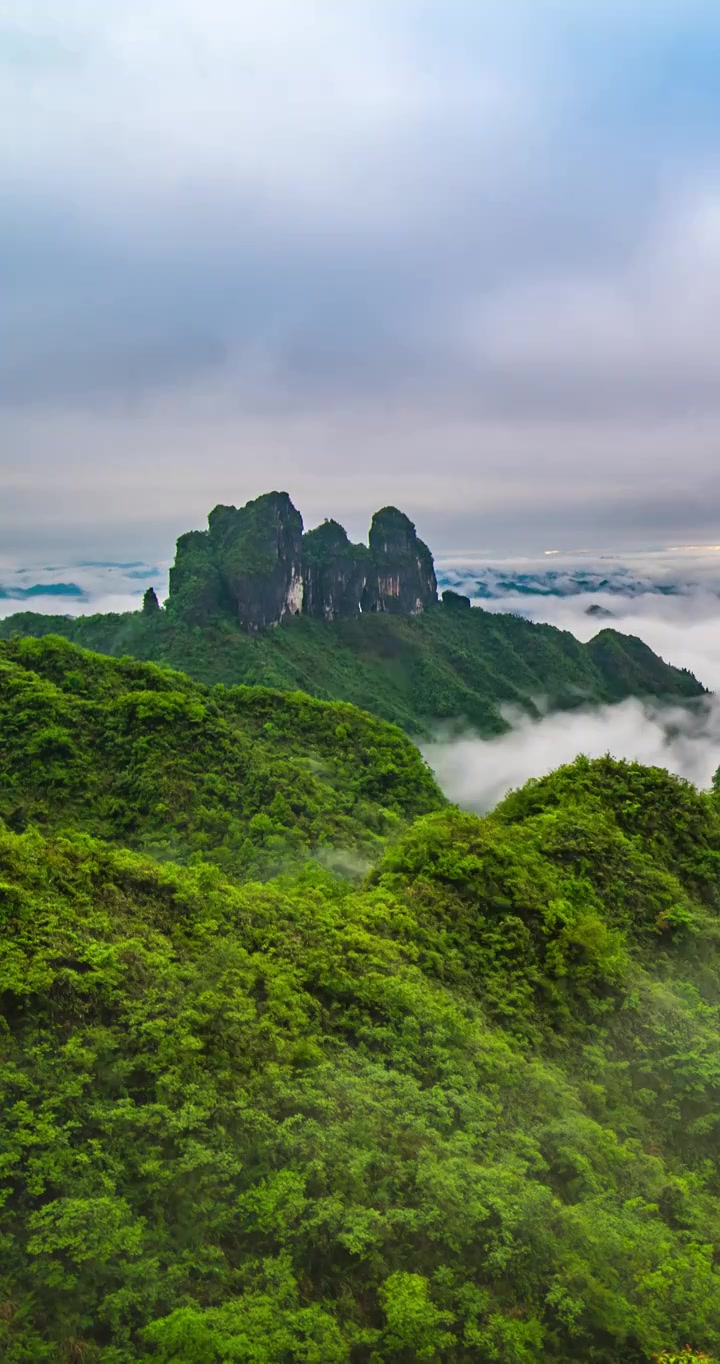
<point>476,773</point>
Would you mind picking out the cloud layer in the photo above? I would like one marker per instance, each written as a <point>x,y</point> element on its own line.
<point>477,773</point>
<point>461,257</point>
<point>669,599</point>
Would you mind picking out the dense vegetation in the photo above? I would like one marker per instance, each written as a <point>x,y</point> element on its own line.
<point>465,1109</point>
<point>442,665</point>
<point>247,777</point>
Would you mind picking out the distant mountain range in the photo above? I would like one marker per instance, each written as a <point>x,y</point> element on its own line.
<point>14,593</point>
<point>492,583</point>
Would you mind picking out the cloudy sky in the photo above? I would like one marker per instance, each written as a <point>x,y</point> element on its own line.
<point>456,254</point>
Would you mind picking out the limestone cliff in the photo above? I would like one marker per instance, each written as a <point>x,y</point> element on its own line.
<point>258,550</point>
<point>335,573</point>
<point>248,564</point>
<point>255,564</point>
<point>405,570</point>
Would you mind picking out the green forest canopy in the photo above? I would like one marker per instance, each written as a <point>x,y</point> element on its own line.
<point>248,777</point>
<point>441,665</point>
<point>464,1108</point>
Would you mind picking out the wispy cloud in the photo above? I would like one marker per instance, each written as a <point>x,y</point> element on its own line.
<point>477,773</point>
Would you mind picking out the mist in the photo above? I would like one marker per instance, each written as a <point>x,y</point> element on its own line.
<point>476,773</point>
<point>669,597</point>
<point>79,588</point>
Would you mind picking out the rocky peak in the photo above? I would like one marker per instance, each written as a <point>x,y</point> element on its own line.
<point>391,532</point>
<point>258,551</point>
<point>150,602</point>
<point>255,563</point>
<point>326,539</point>
<point>248,563</point>
<point>404,564</point>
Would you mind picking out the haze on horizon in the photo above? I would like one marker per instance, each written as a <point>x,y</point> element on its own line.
<point>463,258</point>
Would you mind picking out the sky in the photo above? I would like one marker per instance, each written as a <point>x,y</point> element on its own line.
<point>459,256</point>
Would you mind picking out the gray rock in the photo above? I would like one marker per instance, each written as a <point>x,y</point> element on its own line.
<point>255,564</point>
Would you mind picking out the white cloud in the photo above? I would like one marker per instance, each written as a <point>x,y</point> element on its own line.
<point>476,773</point>
<point>683,628</point>
<point>227,109</point>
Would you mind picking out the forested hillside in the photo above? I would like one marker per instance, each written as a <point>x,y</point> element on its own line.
<point>464,1108</point>
<point>445,664</point>
<point>248,777</point>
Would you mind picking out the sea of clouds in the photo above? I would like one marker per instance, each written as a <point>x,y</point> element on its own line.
<point>670,598</point>
<point>477,773</point>
<point>80,588</point>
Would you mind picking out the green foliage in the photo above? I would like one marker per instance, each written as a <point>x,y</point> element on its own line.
<point>196,587</point>
<point>648,804</point>
<point>150,602</point>
<point>445,664</point>
<point>455,601</point>
<point>244,539</point>
<point>413,1323</point>
<point>243,776</point>
<point>464,1109</point>
<point>684,1356</point>
<point>323,544</point>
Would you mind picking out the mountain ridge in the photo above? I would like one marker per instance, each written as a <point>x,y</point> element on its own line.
<point>256,565</point>
<point>256,599</point>
<point>443,665</point>
<point>264,780</point>
<point>458,1103</point>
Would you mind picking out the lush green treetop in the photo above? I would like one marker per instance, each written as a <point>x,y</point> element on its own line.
<point>462,1109</point>
<point>250,778</point>
<point>443,665</point>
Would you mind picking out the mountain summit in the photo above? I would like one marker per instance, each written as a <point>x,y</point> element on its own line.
<point>255,563</point>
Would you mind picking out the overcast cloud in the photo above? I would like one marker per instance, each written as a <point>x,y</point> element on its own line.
<point>462,257</point>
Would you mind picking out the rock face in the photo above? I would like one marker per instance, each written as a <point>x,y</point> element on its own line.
<point>335,573</point>
<point>248,563</point>
<point>255,564</point>
<point>150,602</point>
<point>406,580</point>
<point>455,601</point>
<point>258,551</point>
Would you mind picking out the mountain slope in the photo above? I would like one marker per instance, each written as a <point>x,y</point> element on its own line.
<point>465,1111</point>
<point>245,776</point>
<point>412,670</point>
